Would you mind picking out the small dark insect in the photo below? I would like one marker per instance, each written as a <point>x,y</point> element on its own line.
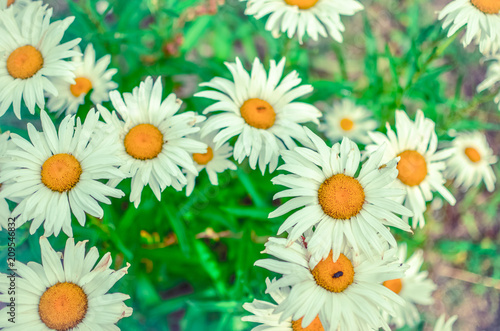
<point>338,274</point>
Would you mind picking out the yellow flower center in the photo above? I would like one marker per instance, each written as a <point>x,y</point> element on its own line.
<point>258,113</point>
<point>204,158</point>
<point>341,196</point>
<point>334,276</point>
<point>472,154</point>
<point>395,285</point>
<point>144,142</point>
<point>487,6</point>
<point>346,124</point>
<point>302,4</point>
<point>24,62</point>
<point>63,306</point>
<point>314,326</point>
<point>82,86</point>
<point>61,172</point>
<point>10,2</point>
<point>412,168</point>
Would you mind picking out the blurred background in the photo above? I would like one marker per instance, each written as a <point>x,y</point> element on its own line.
<point>192,258</point>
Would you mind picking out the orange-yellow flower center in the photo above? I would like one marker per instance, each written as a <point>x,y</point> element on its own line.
<point>341,196</point>
<point>487,6</point>
<point>346,124</point>
<point>204,158</point>
<point>334,276</point>
<point>412,168</point>
<point>63,306</point>
<point>82,86</point>
<point>144,142</point>
<point>302,4</point>
<point>472,154</point>
<point>314,326</point>
<point>258,113</point>
<point>10,2</point>
<point>395,285</point>
<point>24,62</point>
<point>61,172</point>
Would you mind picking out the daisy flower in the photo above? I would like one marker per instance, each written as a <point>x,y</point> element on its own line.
<point>4,206</point>
<point>471,161</point>
<point>57,174</point>
<point>346,293</point>
<point>65,295</point>
<point>91,77</point>
<point>346,119</point>
<point>259,110</point>
<point>341,204</point>
<point>492,79</point>
<point>482,18</point>
<point>443,325</point>
<point>263,312</point>
<point>414,287</point>
<point>31,56</point>
<point>153,143</point>
<point>311,17</point>
<point>214,161</point>
<point>420,166</point>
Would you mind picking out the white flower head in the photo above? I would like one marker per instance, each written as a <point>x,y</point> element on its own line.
<point>259,109</point>
<point>65,295</point>
<point>31,56</point>
<point>346,293</point>
<point>343,205</point>
<point>214,161</point>
<point>58,173</point>
<point>492,79</point>
<point>420,168</point>
<point>299,17</point>
<point>153,138</point>
<point>346,119</point>
<point>91,76</point>
<point>445,325</point>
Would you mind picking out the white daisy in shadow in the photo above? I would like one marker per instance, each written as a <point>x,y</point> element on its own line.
<point>58,173</point>
<point>91,76</point>
<point>346,119</point>
<point>259,110</point>
<point>31,56</point>
<point>65,295</point>
<point>492,79</point>
<point>471,161</point>
<point>347,293</point>
<point>420,168</point>
<point>214,161</point>
<point>345,204</point>
<point>153,138</point>
<point>299,17</point>
<point>445,325</point>
<point>263,313</point>
<point>414,287</point>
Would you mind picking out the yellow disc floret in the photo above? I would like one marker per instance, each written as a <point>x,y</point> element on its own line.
<point>472,154</point>
<point>258,113</point>
<point>82,86</point>
<point>395,285</point>
<point>334,276</point>
<point>487,6</point>
<point>204,158</point>
<point>412,168</point>
<point>302,4</point>
<point>144,142</point>
<point>63,306</point>
<point>314,326</point>
<point>24,62</point>
<point>61,172</point>
<point>341,196</point>
<point>346,124</point>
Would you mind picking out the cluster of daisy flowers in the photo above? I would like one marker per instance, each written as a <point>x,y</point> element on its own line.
<point>341,266</point>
